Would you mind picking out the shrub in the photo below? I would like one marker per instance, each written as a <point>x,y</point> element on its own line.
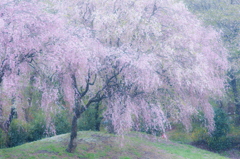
<point>20,132</point>
<point>87,121</point>
<point>62,123</point>
<point>37,127</point>
<point>221,124</point>
<point>200,135</point>
<point>220,143</point>
<point>91,118</point>
<point>3,138</point>
<point>219,140</point>
<point>17,133</point>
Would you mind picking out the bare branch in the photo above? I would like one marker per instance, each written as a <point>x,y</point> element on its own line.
<point>93,80</point>
<point>74,84</point>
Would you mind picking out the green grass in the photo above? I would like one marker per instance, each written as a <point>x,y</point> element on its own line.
<point>95,145</point>
<point>180,136</point>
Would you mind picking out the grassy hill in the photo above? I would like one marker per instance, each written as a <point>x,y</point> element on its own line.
<point>94,145</point>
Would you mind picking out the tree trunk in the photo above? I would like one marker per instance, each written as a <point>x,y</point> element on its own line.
<point>5,125</point>
<point>235,94</point>
<point>10,117</point>
<point>1,116</point>
<point>79,109</point>
<point>73,138</point>
<point>97,118</point>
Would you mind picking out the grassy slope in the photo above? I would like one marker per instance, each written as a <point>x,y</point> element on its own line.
<point>102,145</point>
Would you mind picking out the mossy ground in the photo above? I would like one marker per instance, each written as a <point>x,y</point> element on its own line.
<point>101,145</point>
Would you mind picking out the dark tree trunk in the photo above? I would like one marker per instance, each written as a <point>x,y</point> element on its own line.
<point>98,126</point>
<point>79,109</point>
<point>8,122</point>
<point>73,138</point>
<point>1,116</point>
<point>235,94</point>
<point>97,118</point>
<point>5,125</point>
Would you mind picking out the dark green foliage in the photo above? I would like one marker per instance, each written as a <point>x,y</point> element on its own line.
<point>219,140</point>
<point>37,127</point>
<point>62,123</point>
<point>154,131</point>
<point>90,119</point>
<point>87,121</point>
<point>221,123</point>
<point>17,133</point>
<point>3,138</point>
<point>21,132</point>
<point>221,143</point>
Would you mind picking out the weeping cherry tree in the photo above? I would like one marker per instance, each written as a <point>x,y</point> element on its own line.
<point>142,59</point>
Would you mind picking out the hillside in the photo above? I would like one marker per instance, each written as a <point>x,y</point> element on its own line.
<point>102,145</point>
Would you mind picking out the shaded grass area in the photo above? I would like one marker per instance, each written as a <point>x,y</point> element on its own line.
<point>101,145</point>
<point>179,135</point>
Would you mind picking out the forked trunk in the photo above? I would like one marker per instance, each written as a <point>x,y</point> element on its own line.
<point>79,109</point>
